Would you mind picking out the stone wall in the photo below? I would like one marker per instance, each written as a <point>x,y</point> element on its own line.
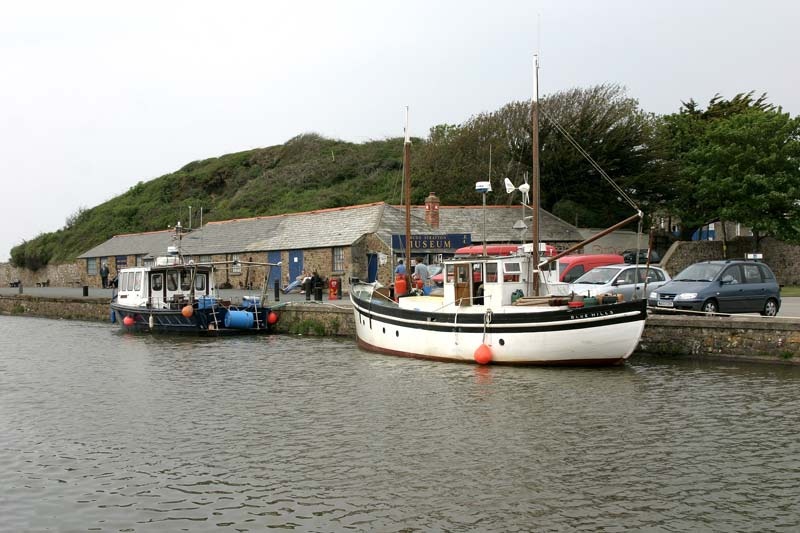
<point>93,309</point>
<point>63,275</point>
<point>742,338</point>
<point>781,257</point>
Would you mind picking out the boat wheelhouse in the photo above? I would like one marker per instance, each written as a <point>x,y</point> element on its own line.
<point>181,297</point>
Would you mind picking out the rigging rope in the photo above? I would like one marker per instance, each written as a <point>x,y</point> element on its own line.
<point>594,164</point>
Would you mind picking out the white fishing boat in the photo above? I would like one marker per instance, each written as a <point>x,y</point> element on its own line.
<point>504,310</point>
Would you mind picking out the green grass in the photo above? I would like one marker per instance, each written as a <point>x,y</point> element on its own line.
<point>790,290</point>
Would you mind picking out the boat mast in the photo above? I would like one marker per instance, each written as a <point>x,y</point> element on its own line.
<point>535,172</point>
<point>407,191</point>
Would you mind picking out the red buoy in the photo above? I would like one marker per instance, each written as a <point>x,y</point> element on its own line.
<point>187,311</point>
<point>272,317</point>
<point>483,355</point>
<point>128,321</point>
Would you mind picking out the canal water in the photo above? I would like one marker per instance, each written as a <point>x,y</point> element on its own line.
<point>105,431</point>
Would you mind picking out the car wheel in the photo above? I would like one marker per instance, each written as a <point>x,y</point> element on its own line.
<point>770,308</point>
<point>710,307</point>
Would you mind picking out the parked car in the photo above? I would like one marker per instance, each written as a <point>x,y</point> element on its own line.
<point>571,267</point>
<point>630,256</point>
<point>627,280</point>
<point>437,274</point>
<point>730,286</point>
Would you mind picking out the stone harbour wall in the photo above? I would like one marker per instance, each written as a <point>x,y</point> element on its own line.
<point>742,338</point>
<point>94,309</point>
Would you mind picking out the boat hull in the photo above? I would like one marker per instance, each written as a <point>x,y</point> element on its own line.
<point>205,321</point>
<point>597,335</point>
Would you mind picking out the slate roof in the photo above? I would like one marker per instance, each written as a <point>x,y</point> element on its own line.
<point>500,221</point>
<point>334,227</point>
<point>312,229</point>
<point>151,243</point>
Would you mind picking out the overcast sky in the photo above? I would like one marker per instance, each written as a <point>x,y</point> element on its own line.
<point>97,95</point>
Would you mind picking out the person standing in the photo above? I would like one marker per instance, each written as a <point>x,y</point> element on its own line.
<point>400,269</point>
<point>421,273</point>
<point>104,275</point>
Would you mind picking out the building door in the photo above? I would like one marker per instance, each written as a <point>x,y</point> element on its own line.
<point>372,267</point>
<point>275,271</point>
<point>295,264</point>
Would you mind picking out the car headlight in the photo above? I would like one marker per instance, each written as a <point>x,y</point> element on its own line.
<point>686,296</point>
<point>654,295</point>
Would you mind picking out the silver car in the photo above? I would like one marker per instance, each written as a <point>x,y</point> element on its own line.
<point>627,280</point>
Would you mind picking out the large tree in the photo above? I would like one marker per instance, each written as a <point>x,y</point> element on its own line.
<point>601,119</point>
<point>708,155</point>
<point>747,169</point>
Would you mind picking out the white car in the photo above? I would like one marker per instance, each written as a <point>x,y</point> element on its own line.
<point>627,280</point>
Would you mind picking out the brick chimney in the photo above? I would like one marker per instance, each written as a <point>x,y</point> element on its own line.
<point>432,210</point>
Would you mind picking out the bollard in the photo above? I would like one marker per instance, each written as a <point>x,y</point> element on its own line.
<point>318,292</point>
<point>339,289</point>
<point>20,287</point>
<point>86,290</point>
<point>277,291</point>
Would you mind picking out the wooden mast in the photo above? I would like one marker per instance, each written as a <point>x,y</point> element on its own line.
<point>535,173</point>
<point>407,193</point>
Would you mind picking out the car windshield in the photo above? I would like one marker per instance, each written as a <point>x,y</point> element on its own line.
<point>699,272</point>
<point>598,276</point>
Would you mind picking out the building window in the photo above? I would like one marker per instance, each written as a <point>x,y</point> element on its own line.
<point>121,261</point>
<point>205,259</point>
<point>91,266</point>
<point>236,267</point>
<point>338,259</point>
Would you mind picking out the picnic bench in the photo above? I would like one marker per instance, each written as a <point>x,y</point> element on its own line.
<point>14,283</point>
<point>45,283</point>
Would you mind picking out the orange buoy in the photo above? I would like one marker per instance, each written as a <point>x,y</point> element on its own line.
<point>272,317</point>
<point>483,355</point>
<point>128,321</point>
<point>187,311</point>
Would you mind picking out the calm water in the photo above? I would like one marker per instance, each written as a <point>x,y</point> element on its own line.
<point>102,431</point>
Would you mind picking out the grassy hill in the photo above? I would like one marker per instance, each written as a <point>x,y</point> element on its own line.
<point>308,172</point>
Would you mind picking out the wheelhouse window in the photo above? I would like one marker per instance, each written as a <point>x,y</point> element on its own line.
<point>128,281</point>
<point>186,281</point>
<point>511,271</point>
<point>491,272</point>
<point>157,282</point>
<point>200,282</point>
<point>449,273</point>
<point>172,280</point>
<point>137,283</point>
<point>338,259</point>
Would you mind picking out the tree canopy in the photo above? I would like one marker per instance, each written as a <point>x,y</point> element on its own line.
<point>737,160</point>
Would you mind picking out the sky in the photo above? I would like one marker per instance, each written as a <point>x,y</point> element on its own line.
<point>96,96</point>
